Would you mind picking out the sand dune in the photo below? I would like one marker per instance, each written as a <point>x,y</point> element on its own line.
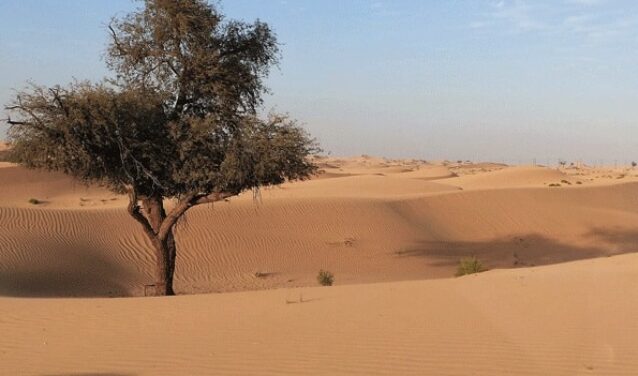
<point>568,319</point>
<point>53,190</point>
<point>552,303</point>
<point>512,177</point>
<point>429,173</point>
<point>363,228</point>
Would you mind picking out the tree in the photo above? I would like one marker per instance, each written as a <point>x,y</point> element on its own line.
<point>177,126</point>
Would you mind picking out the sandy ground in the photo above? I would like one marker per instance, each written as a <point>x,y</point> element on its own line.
<point>554,302</point>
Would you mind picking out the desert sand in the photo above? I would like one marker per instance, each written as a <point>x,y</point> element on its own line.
<point>557,299</point>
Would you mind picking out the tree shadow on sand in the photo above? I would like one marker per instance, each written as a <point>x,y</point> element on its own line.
<point>77,270</point>
<point>525,249</point>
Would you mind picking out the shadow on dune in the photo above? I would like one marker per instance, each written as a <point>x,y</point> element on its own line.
<point>525,249</point>
<point>65,271</point>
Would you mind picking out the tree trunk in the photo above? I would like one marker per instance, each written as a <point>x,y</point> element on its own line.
<point>165,266</point>
<point>165,249</point>
<point>171,255</point>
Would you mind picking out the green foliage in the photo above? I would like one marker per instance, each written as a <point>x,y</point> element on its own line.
<point>325,278</point>
<point>180,118</point>
<point>469,265</point>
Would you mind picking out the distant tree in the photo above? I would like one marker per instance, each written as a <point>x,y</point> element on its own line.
<point>634,164</point>
<point>562,163</point>
<point>178,121</point>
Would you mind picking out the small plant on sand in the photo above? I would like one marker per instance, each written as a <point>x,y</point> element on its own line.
<point>325,278</point>
<point>554,185</point>
<point>469,265</point>
<point>34,201</point>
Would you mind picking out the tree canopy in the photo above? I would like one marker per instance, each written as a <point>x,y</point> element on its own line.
<point>178,119</point>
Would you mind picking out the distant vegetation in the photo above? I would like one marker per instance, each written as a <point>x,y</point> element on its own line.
<point>325,278</point>
<point>34,201</point>
<point>469,265</point>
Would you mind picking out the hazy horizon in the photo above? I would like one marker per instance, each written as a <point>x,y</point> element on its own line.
<point>494,80</point>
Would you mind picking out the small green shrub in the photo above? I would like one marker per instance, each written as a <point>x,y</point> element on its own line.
<point>34,201</point>
<point>325,278</point>
<point>469,265</point>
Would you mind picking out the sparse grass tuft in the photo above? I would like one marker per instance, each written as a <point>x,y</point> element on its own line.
<point>554,185</point>
<point>325,278</point>
<point>34,201</point>
<point>469,265</point>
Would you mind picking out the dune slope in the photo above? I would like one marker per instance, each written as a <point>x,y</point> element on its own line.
<point>568,319</point>
<point>363,228</point>
<point>399,226</point>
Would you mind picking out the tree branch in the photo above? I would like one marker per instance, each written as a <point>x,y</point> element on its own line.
<point>207,199</point>
<point>134,211</point>
<point>182,206</point>
<point>186,203</point>
<point>116,41</point>
<point>13,122</point>
<point>56,96</point>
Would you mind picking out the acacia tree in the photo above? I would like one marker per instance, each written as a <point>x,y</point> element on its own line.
<point>177,122</point>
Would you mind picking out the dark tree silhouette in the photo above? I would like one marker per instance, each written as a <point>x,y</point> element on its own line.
<point>178,121</point>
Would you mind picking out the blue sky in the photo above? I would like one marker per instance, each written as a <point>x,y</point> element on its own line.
<point>498,80</point>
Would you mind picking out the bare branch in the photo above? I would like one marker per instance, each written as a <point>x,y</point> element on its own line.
<point>182,206</point>
<point>30,112</point>
<point>207,199</point>
<point>186,203</point>
<point>56,96</point>
<point>134,211</point>
<point>13,122</point>
<point>116,41</point>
